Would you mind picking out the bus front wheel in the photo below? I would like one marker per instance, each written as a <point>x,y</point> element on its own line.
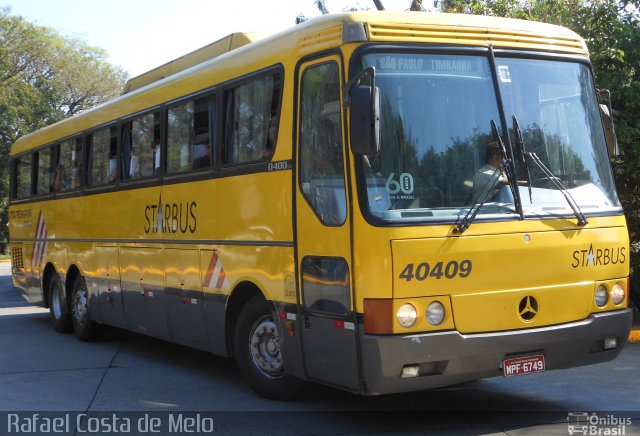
<point>58,312</point>
<point>258,354</point>
<point>86,329</point>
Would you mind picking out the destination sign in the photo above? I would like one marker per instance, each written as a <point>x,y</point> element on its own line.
<point>449,65</point>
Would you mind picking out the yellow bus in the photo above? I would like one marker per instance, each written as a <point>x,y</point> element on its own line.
<point>380,202</point>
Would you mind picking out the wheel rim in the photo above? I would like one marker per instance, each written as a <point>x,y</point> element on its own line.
<point>56,303</point>
<point>264,347</point>
<point>79,306</point>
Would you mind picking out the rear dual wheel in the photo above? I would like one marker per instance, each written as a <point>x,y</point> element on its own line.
<point>58,312</point>
<point>86,329</point>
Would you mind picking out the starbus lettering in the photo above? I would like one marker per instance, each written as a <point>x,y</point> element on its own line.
<point>170,217</point>
<point>20,214</point>
<point>599,257</point>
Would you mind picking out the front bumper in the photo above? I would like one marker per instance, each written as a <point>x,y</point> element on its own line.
<point>449,357</point>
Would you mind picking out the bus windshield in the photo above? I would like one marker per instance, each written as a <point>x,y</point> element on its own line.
<point>439,156</point>
<point>558,119</point>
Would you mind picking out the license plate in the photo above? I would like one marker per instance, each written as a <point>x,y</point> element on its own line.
<point>523,365</point>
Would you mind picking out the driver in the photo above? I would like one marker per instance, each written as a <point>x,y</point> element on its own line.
<point>486,172</point>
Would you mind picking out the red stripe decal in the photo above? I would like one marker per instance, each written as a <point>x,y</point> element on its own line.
<point>212,267</point>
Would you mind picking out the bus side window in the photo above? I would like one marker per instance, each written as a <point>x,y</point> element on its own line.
<point>141,146</point>
<point>188,139</point>
<point>22,177</point>
<point>45,172</point>
<point>202,149</point>
<point>102,157</point>
<point>251,113</point>
<point>69,169</point>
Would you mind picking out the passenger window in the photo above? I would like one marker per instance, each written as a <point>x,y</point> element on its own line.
<point>22,174</point>
<point>69,169</point>
<point>321,161</point>
<point>251,120</point>
<point>46,172</point>
<point>103,159</point>
<point>141,147</point>
<point>325,285</point>
<point>188,139</point>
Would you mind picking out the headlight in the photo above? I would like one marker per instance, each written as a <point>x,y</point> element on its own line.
<point>617,293</point>
<point>407,315</point>
<point>601,296</point>
<point>435,313</point>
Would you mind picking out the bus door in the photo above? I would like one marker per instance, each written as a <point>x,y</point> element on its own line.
<point>323,228</point>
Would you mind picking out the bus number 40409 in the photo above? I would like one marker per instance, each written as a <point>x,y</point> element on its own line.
<point>424,270</point>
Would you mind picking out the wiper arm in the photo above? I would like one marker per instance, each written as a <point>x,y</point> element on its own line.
<point>522,151</point>
<point>473,211</point>
<point>524,155</point>
<point>582,221</point>
<point>505,166</point>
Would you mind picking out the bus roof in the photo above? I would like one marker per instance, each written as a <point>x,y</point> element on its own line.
<point>208,52</point>
<point>176,79</point>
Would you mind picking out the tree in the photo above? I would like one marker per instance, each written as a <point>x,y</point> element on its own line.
<point>44,78</point>
<point>321,6</point>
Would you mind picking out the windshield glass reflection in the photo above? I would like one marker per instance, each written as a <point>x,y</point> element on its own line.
<point>556,107</point>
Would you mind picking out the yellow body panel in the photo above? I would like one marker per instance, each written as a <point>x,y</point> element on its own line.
<point>513,260</point>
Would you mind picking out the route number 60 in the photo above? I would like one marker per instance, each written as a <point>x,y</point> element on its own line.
<point>404,184</point>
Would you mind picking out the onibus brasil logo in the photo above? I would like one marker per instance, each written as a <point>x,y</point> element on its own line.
<point>597,424</point>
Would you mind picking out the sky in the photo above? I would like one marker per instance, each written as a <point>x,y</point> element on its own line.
<point>140,35</point>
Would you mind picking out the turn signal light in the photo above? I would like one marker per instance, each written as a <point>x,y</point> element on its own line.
<point>378,316</point>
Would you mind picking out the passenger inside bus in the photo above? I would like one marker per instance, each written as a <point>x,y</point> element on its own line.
<point>113,166</point>
<point>57,182</point>
<point>202,155</point>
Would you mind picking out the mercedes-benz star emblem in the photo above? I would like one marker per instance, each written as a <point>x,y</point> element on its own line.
<point>528,308</point>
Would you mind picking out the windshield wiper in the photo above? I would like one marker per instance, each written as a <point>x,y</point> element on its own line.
<point>505,167</point>
<point>522,151</point>
<point>582,221</point>
<point>529,155</point>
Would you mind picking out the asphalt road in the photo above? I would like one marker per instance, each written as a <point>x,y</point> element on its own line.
<point>154,385</point>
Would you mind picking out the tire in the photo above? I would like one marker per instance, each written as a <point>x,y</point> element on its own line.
<point>58,311</point>
<point>258,355</point>
<point>86,329</point>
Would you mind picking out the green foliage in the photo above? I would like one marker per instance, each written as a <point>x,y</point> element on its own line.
<point>44,77</point>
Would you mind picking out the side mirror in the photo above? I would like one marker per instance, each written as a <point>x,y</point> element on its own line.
<point>607,122</point>
<point>364,119</point>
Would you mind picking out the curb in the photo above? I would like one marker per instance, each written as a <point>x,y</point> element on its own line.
<point>634,336</point>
